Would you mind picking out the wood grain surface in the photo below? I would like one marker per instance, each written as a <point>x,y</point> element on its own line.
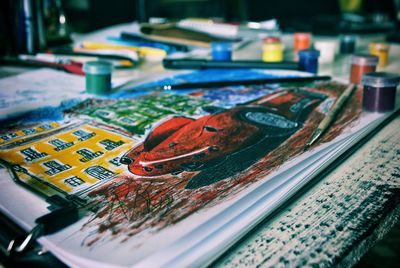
<point>337,219</point>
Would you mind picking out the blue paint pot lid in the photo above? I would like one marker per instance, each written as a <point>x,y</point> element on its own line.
<point>380,79</point>
<point>221,46</point>
<point>309,53</point>
<point>97,67</point>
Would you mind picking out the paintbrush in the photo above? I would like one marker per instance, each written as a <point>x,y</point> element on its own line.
<point>331,115</point>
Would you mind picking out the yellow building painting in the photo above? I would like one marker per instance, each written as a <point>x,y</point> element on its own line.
<point>69,159</point>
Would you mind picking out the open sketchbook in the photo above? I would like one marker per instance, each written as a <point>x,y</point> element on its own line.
<point>172,179</point>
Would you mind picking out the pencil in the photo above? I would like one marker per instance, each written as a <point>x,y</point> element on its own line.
<point>327,121</point>
<point>142,51</point>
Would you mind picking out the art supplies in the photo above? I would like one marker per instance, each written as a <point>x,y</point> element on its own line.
<point>170,32</point>
<point>381,50</point>
<point>178,63</point>
<point>98,77</point>
<point>272,49</point>
<point>327,49</point>
<point>301,41</point>
<point>218,84</point>
<point>119,57</point>
<point>347,44</point>
<point>142,51</point>
<point>221,51</point>
<point>139,37</point>
<point>379,94</point>
<point>308,60</point>
<point>67,65</point>
<point>360,65</point>
<point>331,115</point>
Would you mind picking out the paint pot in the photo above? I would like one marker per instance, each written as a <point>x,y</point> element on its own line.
<point>381,50</point>
<point>301,41</point>
<point>360,65</point>
<point>272,49</point>
<point>379,91</point>
<point>327,49</point>
<point>221,51</point>
<point>347,44</point>
<point>308,60</point>
<point>98,77</point>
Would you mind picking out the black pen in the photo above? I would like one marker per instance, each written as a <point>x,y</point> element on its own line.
<point>219,84</point>
<point>234,64</point>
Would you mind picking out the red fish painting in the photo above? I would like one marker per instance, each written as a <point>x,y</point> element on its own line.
<point>224,142</point>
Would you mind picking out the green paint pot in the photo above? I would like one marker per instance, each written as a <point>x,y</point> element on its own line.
<point>98,77</point>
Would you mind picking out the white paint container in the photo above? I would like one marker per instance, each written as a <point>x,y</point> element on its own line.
<point>328,49</point>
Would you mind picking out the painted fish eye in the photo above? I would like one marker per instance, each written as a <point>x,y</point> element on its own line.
<point>172,144</point>
<point>148,169</point>
<point>211,128</point>
<point>213,149</point>
<point>126,160</point>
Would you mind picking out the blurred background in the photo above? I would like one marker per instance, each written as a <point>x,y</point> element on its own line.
<point>58,18</point>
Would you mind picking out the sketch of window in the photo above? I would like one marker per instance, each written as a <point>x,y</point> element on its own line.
<point>88,154</point>
<point>29,131</point>
<point>60,144</point>
<point>99,173</point>
<point>55,167</point>
<point>83,135</point>
<point>46,127</point>
<point>104,113</point>
<point>115,161</point>
<point>31,154</point>
<point>74,181</point>
<point>111,145</point>
<point>127,120</point>
<point>9,136</point>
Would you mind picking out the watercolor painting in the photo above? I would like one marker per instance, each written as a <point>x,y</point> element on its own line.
<point>185,164</point>
<point>149,162</point>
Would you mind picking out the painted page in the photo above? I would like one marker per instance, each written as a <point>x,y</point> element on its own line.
<point>38,89</point>
<point>173,178</point>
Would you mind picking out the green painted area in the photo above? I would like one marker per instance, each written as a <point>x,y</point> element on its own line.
<point>138,115</point>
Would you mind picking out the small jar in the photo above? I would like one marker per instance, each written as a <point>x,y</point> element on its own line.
<point>308,60</point>
<point>379,93</point>
<point>221,51</point>
<point>301,41</point>
<point>347,44</point>
<point>362,64</point>
<point>381,50</point>
<point>272,49</point>
<point>98,77</point>
<point>327,49</point>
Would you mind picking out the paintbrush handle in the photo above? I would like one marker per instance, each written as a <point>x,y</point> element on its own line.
<point>336,108</point>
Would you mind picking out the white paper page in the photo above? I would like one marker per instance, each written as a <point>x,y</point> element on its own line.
<point>36,89</point>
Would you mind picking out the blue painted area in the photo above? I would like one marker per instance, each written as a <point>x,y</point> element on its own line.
<point>211,75</point>
<point>43,114</point>
<point>229,97</point>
